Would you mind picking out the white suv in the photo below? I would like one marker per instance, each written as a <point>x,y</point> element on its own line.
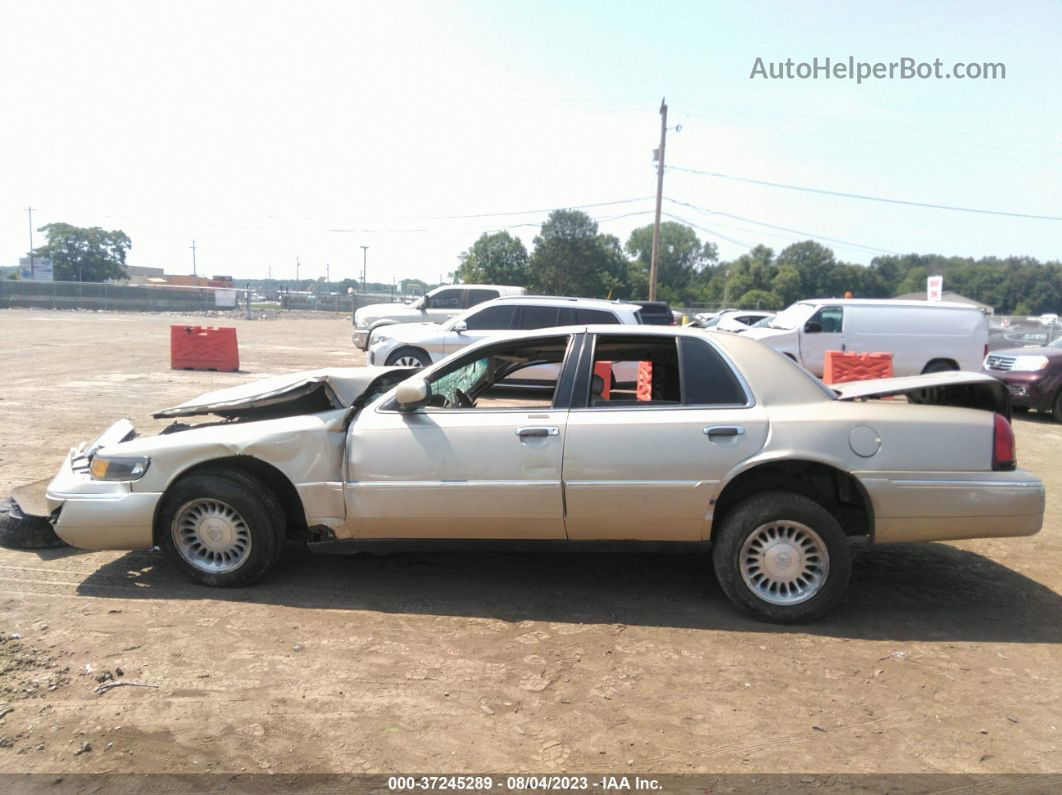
<point>436,306</point>
<point>421,344</point>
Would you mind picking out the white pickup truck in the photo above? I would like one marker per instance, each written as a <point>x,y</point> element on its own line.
<point>436,306</point>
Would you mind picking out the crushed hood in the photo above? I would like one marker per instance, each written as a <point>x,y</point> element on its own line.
<point>950,388</point>
<point>310,390</point>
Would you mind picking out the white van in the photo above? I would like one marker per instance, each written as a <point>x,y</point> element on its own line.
<point>922,337</point>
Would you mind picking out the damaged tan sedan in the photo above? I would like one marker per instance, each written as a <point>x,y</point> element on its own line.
<point>722,440</point>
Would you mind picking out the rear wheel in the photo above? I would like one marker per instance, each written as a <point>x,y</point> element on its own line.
<point>782,557</point>
<point>1056,409</point>
<point>939,366</point>
<point>408,357</point>
<point>221,529</point>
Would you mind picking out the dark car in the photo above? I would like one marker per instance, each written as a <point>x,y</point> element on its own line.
<point>656,313</point>
<point>1033,375</point>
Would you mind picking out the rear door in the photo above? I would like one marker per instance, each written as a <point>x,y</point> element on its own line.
<point>445,304</point>
<point>643,464</point>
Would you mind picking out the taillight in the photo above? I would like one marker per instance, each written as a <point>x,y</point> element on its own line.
<point>1004,455</point>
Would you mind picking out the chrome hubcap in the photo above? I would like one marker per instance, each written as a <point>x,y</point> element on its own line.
<point>408,361</point>
<point>784,563</point>
<point>211,535</point>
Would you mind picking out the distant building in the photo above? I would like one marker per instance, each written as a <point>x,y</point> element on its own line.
<point>947,296</point>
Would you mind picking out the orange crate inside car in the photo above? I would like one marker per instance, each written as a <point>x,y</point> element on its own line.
<point>204,348</point>
<point>841,367</point>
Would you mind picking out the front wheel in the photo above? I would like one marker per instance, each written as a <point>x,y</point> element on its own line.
<point>221,529</point>
<point>408,357</point>
<point>782,557</point>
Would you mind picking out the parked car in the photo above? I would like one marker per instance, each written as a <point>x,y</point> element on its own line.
<point>436,306</point>
<point>922,337</point>
<point>656,313</point>
<point>1033,376</point>
<point>735,320</point>
<point>725,442</point>
<point>420,344</point>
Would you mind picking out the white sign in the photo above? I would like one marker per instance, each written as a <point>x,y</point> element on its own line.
<point>934,288</point>
<point>41,270</point>
<point>225,298</point>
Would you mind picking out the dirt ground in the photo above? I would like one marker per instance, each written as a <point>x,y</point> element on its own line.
<point>944,658</point>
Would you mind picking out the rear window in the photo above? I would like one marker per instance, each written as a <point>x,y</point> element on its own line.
<point>707,379</point>
<point>592,317</point>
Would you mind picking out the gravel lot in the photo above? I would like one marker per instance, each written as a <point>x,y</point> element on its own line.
<point>945,658</point>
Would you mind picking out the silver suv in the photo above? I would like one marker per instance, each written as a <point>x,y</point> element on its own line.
<point>420,344</point>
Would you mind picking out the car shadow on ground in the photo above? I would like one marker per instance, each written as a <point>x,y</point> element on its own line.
<point>930,592</point>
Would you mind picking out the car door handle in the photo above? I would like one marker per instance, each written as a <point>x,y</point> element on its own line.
<point>526,432</point>
<point>715,431</point>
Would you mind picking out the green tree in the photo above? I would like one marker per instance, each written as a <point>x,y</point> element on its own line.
<point>496,258</point>
<point>681,257</point>
<point>570,257</point>
<point>89,254</point>
<point>760,299</point>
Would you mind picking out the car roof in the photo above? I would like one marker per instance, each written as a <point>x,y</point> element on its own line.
<point>563,300</point>
<point>887,302</point>
<point>505,289</point>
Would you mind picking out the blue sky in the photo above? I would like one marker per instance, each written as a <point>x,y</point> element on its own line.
<point>273,131</point>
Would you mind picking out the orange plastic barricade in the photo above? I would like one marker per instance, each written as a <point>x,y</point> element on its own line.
<point>204,348</point>
<point>841,367</point>
<point>645,381</point>
<point>604,369</point>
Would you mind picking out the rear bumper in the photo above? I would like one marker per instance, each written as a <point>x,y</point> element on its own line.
<point>944,506</point>
<point>100,515</point>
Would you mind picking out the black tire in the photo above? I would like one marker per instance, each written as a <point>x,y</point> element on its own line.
<point>18,531</point>
<point>255,506</point>
<point>1019,409</point>
<point>1056,407</point>
<point>411,353</point>
<point>938,367</point>
<point>751,517</point>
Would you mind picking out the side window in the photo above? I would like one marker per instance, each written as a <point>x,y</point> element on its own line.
<point>830,319</point>
<point>507,375</point>
<point>707,379</point>
<point>474,297</point>
<point>533,316</point>
<point>593,317</point>
<point>632,372</point>
<point>490,318</point>
<point>447,299</point>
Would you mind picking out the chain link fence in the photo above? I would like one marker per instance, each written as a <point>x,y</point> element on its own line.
<point>184,300</point>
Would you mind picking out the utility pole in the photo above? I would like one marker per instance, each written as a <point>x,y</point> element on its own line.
<point>659,199</point>
<point>297,263</point>
<point>194,273</point>
<point>29,211</point>
<point>364,267</point>
<point>328,273</point>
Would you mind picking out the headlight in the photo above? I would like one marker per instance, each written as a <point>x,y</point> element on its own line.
<point>118,468</point>
<point>377,338</point>
<point>360,323</point>
<point>1025,364</point>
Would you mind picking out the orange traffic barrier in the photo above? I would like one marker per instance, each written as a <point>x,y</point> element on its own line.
<point>604,369</point>
<point>645,381</point>
<point>841,367</point>
<point>204,348</point>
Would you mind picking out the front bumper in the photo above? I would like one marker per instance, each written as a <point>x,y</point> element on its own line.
<point>1031,389</point>
<point>945,506</point>
<point>96,514</point>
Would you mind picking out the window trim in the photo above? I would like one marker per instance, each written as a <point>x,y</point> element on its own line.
<point>586,366</point>
<point>388,405</point>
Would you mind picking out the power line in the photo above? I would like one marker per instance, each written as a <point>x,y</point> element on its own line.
<point>781,228</point>
<point>515,212</point>
<point>708,231</point>
<point>863,197</point>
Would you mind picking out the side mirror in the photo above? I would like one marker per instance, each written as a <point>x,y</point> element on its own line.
<point>460,327</point>
<point>412,393</point>
<point>423,303</point>
<point>813,327</point>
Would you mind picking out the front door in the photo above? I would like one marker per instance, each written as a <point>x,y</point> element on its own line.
<point>823,331</point>
<point>475,463</point>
